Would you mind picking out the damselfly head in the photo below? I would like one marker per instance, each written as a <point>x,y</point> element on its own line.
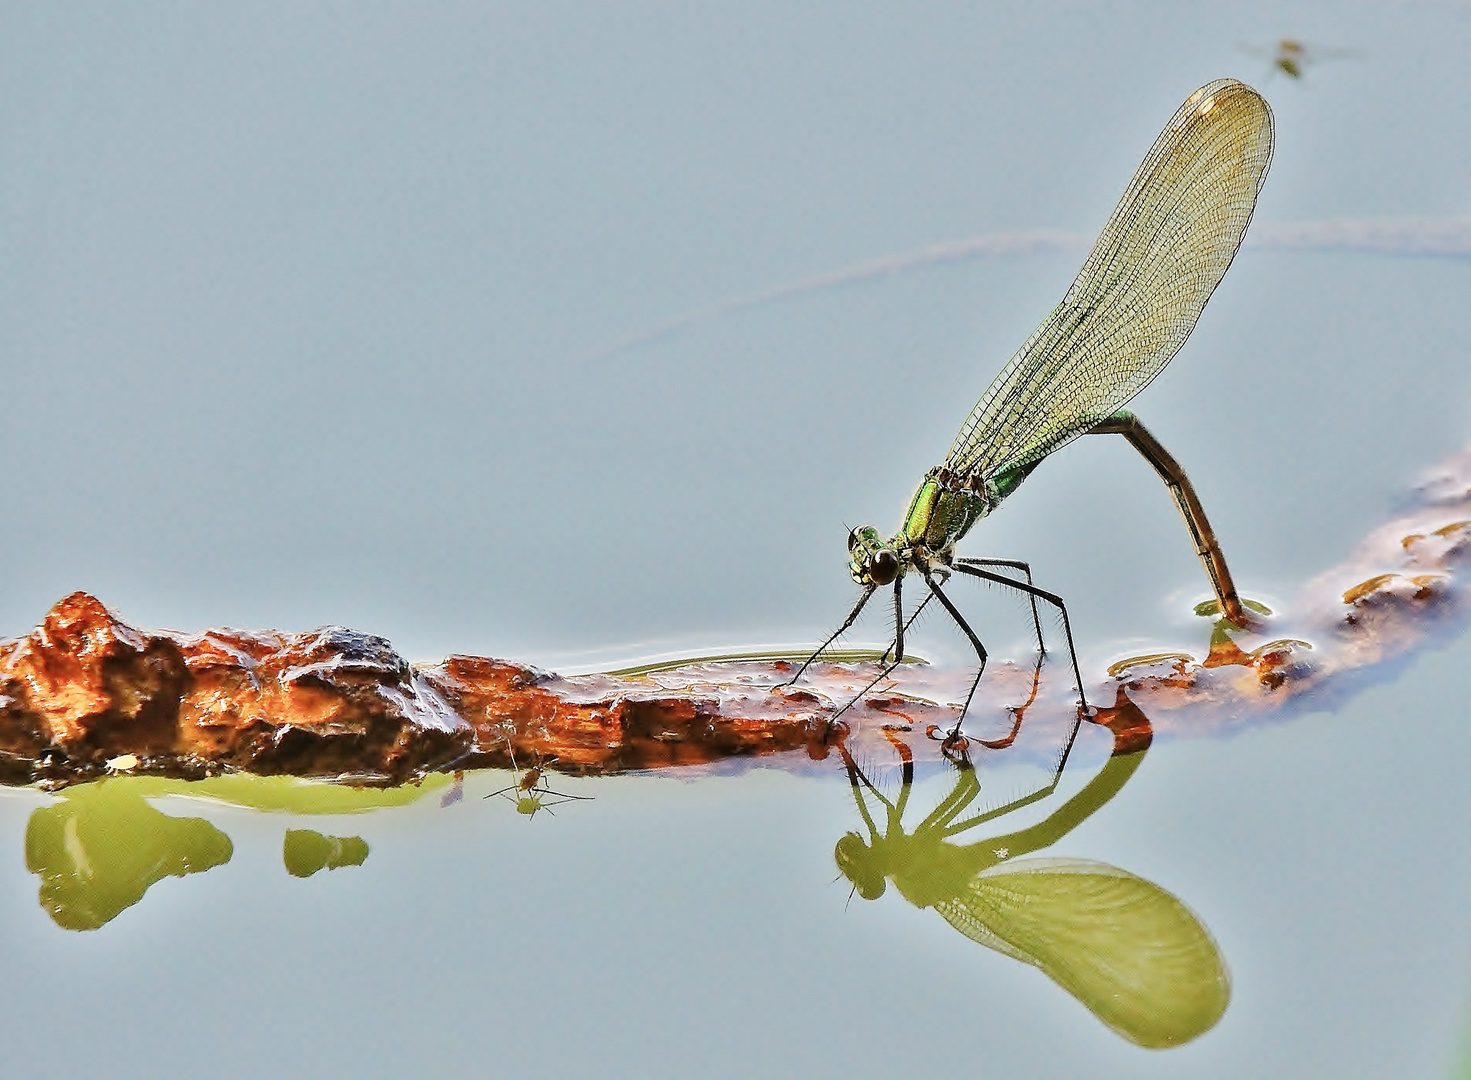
<point>871,562</point>
<point>860,865</point>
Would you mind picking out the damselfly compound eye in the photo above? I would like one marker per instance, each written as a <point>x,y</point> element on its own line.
<point>885,567</point>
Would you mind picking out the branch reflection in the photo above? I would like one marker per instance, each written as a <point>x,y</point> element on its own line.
<point>100,847</point>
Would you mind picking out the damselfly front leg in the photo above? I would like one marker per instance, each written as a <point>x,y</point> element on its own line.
<point>849,621</point>
<point>895,649</point>
<point>889,665</point>
<point>972,567</point>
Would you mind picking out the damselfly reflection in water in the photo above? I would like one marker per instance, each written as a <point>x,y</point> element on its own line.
<point>1124,947</point>
<point>530,792</point>
<point>1131,307</point>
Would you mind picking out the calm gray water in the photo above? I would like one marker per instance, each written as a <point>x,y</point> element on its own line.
<point>305,316</point>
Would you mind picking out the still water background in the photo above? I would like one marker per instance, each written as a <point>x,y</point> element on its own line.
<point>306,315</point>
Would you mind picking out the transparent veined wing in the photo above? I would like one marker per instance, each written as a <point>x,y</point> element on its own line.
<point>1127,949</point>
<point>1141,289</point>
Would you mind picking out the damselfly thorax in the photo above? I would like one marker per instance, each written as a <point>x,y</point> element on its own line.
<point>944,508</point>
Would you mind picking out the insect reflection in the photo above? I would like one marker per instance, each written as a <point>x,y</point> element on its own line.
<point>530,792</point>
<point>1131,952</point>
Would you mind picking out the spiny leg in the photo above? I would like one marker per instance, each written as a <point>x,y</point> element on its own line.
<point>855,777</point>
<point>1041,793</point>
<point>1016,564</point>
<point>975,641</point>
<point>908,625</point>
<point>880,677</point>
<point>898,646</point>
<point>952,828</point>
<point>1067,627</point>
<point>899,619</point>
<point>849,621</point>
<point>1099,790</point>
<point>895,810</point>
<point>966,790</point>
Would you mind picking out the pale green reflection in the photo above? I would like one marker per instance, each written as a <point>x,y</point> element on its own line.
<point>289,794</point>
<point>100,847</point>
<point>1124,947</point>
<point>305,851</point>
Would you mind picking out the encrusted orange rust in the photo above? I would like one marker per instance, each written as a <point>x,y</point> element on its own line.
<point>85,689</point>
<point>623,728</point>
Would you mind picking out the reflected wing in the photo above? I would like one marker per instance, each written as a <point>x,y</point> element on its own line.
<point>1132,953</point>
<point>1141,290</point>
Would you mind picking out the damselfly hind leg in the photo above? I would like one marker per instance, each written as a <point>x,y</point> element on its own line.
<point>973,568</point>
<point>1025,568</point>
<point>966,566</point>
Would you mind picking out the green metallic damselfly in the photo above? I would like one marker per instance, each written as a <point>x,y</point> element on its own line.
<point>1131,307</point>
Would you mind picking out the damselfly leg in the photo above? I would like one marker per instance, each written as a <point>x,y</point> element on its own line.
<point>893,655</point>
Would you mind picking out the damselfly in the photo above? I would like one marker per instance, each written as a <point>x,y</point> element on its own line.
<point>1131,307</point>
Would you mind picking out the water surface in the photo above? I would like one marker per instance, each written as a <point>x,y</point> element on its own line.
<point>299,308</point>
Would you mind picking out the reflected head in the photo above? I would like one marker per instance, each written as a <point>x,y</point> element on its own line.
<point>860,865</point>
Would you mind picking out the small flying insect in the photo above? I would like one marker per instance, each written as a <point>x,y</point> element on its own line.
<point>1293,57</point>
<point>456,791</point>
<point>1131,307</point>
<point>529,793</point>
